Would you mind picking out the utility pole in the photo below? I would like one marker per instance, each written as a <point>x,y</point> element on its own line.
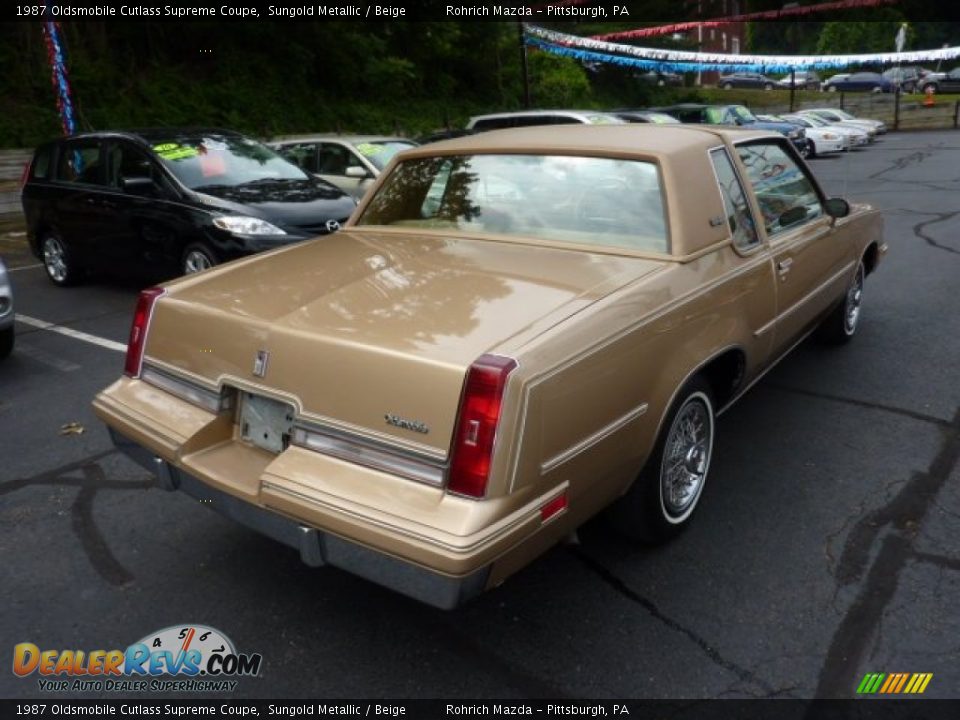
<point>523,65</point>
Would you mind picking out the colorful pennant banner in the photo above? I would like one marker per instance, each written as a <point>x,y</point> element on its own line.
<point>687,61</point>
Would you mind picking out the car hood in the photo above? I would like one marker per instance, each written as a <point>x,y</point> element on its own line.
<point>364,323</point>
<point>780,127</point>
<point>305,204</point>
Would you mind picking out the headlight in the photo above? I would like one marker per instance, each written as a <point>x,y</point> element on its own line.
<point>830,136</point>
<point>793,134</point>
<point>243,225</point>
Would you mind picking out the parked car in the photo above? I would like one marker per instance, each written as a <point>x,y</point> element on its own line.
<point>940,82</point>
<point>829,84</point>
<point>645,116</point>
<point>746,80</point>
<point>526,118</point>
<point>6,313</point>
<point>661,78</point>
<point>860,82</point>
<point>907,77</point>
<point>168,200</point>
<point>852,137</point>
<point>439,135</point>
<point>822,141</point>
<point>836,115</point>
<point>351,162</point>
<point>438,393</point>
<point>802,79</point>
<point>737,115</point>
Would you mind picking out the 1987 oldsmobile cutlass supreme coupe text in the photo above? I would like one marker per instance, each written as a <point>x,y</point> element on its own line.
<point>514,331</point>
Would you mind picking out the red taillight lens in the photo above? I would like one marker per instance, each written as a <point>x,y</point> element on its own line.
<point>477,424</point>
<point>138,330</point>
<point>25,174</point>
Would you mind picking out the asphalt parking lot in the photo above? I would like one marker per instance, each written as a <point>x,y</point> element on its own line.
<point>827,545</point>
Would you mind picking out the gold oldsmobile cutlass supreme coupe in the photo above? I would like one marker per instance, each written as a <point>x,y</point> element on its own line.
<point>514,330</point>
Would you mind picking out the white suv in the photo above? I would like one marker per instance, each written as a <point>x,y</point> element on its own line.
<point>525,118</point>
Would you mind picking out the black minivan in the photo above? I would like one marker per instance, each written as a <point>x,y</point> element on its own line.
<point>168,200</point>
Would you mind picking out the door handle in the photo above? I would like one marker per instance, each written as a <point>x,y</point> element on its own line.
<point>783,267</point>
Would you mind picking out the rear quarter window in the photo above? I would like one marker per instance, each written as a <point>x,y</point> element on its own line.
<point>40,170</point>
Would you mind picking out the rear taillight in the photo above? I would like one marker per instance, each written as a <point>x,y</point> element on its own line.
<point>138,331</point>
<point>477,421</point>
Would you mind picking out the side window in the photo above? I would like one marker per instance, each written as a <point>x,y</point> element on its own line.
<point>335,159</point>
<point>786,196</point>
<point>127,162</point>
<point>740,219</point>
<point>41,165</point>
<point>79,162</point>
<point>303,155</point>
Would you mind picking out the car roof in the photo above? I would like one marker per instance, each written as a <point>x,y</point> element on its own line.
<point>352,139</point>
<point>579,114</point>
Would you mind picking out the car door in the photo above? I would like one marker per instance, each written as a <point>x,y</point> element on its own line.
<point>82,213</point>
<point>810,261</point>
<point>151,226</point>
<point>340,166</point>
<point>951,81</point>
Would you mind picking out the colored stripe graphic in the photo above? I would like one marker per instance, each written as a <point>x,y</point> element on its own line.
<point>894,683</point>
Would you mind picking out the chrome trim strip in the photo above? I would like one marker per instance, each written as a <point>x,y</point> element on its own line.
<point>591,440</point>
<point>202,397</point>
<point>806,298</point>
<point>377,458</point>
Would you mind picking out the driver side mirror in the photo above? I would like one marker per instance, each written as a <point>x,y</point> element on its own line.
<point>836,207</point>
<point>355,171</point>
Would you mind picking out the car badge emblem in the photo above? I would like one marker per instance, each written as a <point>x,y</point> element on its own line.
<point>260,363</point>
<point>332,226</point>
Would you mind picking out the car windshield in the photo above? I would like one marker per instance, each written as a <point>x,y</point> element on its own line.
<point>741,113</point>
<point>577,200</point>
<point>380,152</point>
<point>661,118</point>
<point>844,115</point>
<point>223,161</point>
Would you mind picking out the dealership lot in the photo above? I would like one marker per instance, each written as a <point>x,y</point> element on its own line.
<point>827,548</point>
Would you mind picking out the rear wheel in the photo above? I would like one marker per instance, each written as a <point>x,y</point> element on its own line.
<point>661,501</point>
<point>727,86</point>
<point>58,260</point>
<point>831,88</point>
<point>197,257</point>
<point>768,86</point>
<point>6,342</point>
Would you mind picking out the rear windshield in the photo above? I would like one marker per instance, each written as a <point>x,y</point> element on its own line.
<point>223,161</point>
<point>578,200</point>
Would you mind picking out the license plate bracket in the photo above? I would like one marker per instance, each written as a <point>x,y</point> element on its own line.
<point>265,422</point>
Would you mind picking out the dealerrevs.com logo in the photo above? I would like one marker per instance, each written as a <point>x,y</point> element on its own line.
<point>187,658</point>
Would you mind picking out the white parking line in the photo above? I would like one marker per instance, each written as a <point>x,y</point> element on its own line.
<point>70,332</point>
<point>25,267</point>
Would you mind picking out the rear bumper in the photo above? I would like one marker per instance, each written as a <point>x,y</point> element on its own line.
<point>315,546</point>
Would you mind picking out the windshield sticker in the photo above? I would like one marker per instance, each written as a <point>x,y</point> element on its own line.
<point>212,165</point>
<point>368,149</point>
<point>173,151</point>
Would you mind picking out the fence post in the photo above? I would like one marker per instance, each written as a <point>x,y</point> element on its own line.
<point>842,94</point>
<point>896,108</point>
<point>956,112</point>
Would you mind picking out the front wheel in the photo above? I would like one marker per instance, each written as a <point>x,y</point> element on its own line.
<point>842,323</point>
<point>727,86</point>
<point>196,258</point>
<point>660,503</point>
<point>831,88</point>
<point>768,86</point>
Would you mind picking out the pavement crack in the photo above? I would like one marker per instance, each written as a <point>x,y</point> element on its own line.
<point>903,515</point>
<point>922,417</point>
<point>940,217</point>
<point>82,521</point>
<point>941,561</point>
<point>623,589</point>
<point>904,161</point>
<point>905,510</point>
